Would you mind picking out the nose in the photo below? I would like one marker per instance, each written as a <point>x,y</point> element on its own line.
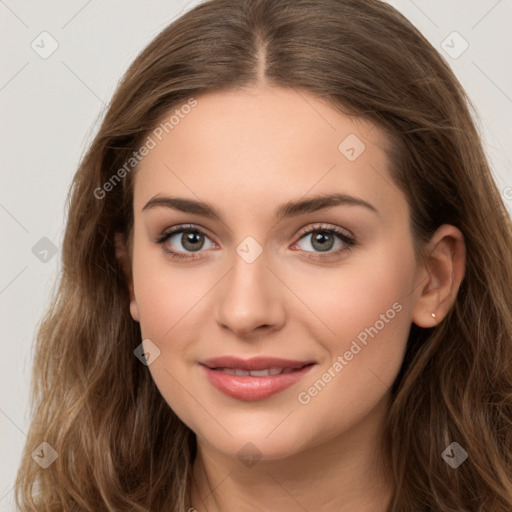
<point>249,299</point>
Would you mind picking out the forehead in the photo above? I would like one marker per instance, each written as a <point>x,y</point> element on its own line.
<point>267,144</point>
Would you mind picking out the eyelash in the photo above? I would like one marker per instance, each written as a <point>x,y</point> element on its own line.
<point>348,241</point>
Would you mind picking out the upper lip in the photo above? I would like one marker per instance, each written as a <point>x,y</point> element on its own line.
<point>254,363</point>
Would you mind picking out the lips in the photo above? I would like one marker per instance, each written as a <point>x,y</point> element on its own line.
<point>256,378</point>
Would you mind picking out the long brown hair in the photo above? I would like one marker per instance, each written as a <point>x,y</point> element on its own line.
<point>120,446</point>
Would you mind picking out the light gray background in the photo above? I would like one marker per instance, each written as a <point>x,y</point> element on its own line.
<point>50,110</point>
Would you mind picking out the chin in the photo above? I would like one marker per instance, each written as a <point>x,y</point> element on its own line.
<point>257,441</point>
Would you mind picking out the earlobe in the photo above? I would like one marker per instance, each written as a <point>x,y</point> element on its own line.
<point>126,265</point>
<point>439,281</point>
<point>134,310</point>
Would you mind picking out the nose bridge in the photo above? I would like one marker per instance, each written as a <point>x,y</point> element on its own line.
<point>248,297</point>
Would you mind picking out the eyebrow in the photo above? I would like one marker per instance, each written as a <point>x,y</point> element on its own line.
<point>286,210</point>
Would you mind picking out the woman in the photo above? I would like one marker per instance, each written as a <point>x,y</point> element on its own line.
<point>286,280</point>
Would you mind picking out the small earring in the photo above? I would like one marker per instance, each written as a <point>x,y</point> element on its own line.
<point>434,315</point>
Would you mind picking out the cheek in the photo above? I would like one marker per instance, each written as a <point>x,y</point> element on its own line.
<point>367,308</point>
<point>353,297</point>
<point>170,307</point>
<point>167,296</point>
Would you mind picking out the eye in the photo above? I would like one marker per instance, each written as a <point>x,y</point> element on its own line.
<point>187,241</point>
<point>180,241</point>
<point>323,239</point>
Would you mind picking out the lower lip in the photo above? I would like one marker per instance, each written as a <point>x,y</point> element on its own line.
<point>249,388</point>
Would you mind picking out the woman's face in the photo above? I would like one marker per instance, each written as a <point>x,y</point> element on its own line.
<point>259,275</point>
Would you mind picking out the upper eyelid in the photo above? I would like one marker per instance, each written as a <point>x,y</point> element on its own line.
<point>322,226</point>
<point>184,227</point>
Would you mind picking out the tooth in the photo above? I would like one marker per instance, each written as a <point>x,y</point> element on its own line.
<point>256,373</point>
<point>259,373</point>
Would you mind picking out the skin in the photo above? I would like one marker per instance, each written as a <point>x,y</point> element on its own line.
<point>246,152</point>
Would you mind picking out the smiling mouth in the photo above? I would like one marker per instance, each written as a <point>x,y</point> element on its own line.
<point>256,378</point>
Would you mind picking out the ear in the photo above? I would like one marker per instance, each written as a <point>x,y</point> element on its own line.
<point>440,276</point>
<point>126,264</point>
